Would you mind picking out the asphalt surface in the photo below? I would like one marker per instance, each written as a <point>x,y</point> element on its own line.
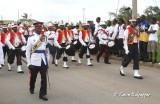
<point>82,84</point>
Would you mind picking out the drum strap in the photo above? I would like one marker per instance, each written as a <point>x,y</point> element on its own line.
<point>38,44</point>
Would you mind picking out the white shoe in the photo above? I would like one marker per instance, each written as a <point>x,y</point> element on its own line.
<point>9,67</point>
<point>56,62</point>
<point>19,69</point>
<point>89,62</point>
<point>122,71</point>
<point>79,61</point>
<point>65,65</point>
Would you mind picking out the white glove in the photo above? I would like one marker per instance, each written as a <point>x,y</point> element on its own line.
<point>126,52</point>
<point>84,44</point>
<point>126,49</point>
<point>13,48</point>
<point>59,47</point>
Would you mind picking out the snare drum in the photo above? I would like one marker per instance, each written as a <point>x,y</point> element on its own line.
<point>70,50</point>
<point>93,49</point>
<point>77,44</point>
<point>111,43</point>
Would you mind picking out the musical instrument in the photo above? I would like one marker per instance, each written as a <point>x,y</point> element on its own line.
<point>77,44</point>
<point>111,43</point>
<point>23,51</point>
<point>93,48</point>
<point>70,50</point>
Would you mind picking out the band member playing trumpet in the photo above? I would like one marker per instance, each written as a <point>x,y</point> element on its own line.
<point>50,36</point>
<point>85,39</point>
<point>15,41</point>
<point>103,40</point>
<point>61,40</point>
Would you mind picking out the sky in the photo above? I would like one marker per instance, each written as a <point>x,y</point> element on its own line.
<point>67,10</point>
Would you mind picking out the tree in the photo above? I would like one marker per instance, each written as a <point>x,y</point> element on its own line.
<point>152,11</point>
<point>124,12</point>
<point>25,16</point>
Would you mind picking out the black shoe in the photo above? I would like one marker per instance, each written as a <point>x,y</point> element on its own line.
<point>56,64</point>
<point>66,67</point>
<point>31,91</point>
<point>97,59</point>
<point>107,63</point>
<point>121,73</point>
<point>2,65</point>
<point>53,62</point>
<point>90,65</point>
<point>20,72</point>
<point>138,77</point>
<point>153,62</point>
<point>149,60</point>
<point>43,97</point>
<point>74,61</point>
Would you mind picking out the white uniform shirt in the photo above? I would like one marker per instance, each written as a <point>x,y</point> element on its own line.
<point>87,39</point>
<point>121,31</point>
<point>97,27</point>
<point>110,30</point>
<point>153,36</point>
<point>17,41</point>
<point>75,32</point>
<point>50,37</point>
<point>63,39</point>
<point>115,31</point>
<point>36,58</point>
<point>103,36</point>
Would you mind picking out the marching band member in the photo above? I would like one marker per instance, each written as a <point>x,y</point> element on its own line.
<point>50,37</point>
<point>103,40</point>
<point>4,35</point>
<point>26,32</point>
<point>61,40</point>
<point>131,49</point>
<point>37,55</point>
<point>71,35</point>
<point>85,38</point>
<point>15,41</point>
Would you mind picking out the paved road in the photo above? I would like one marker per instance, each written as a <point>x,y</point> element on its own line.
<point>81,84</point>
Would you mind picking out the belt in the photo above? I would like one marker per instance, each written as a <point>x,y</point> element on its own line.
<point>44,52</point>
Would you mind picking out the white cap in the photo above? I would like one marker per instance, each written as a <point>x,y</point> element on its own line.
<point>49,24</point>
<point>9,25</point>
<point>102,23</point>
<point>61,24</point>
<point>85,24</point>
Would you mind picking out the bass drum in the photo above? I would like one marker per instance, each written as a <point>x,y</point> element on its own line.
<point>77,44</point>
<point>70,50</point>
<point>93,48</point>
<point>23,51</point>
<point>110,43</point>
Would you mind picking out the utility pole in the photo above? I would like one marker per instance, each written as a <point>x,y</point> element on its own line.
<point>134,8</point>
<point>83,15</point>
